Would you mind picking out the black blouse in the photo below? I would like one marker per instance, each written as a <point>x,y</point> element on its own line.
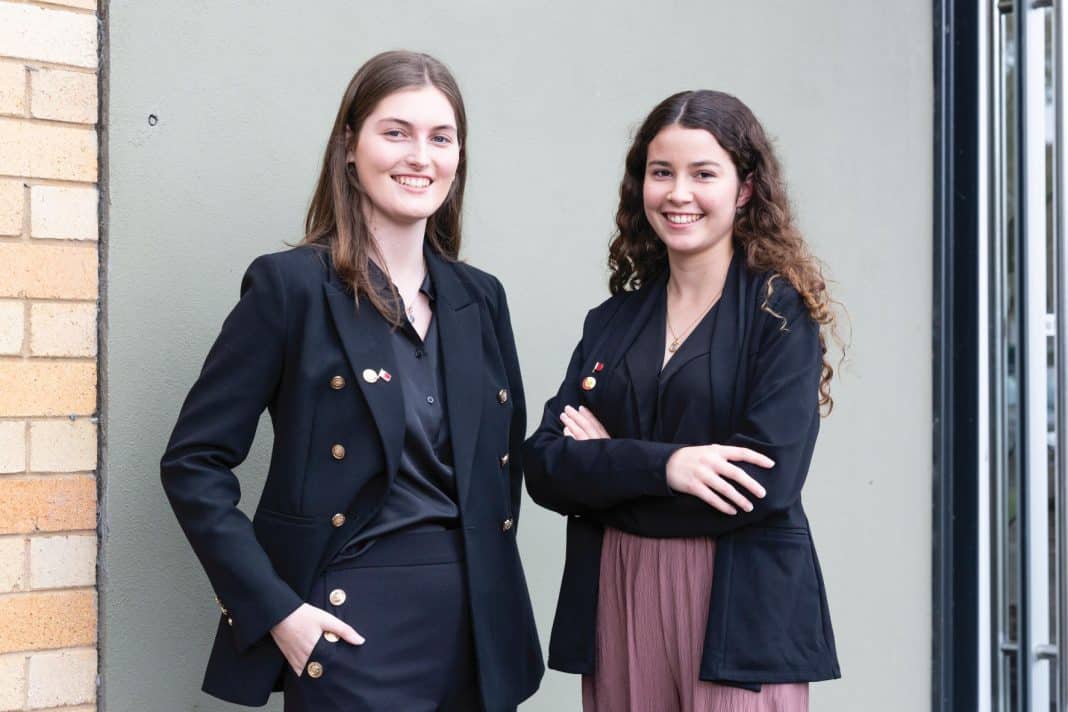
<point>677,397</point>
<point>423,495</point>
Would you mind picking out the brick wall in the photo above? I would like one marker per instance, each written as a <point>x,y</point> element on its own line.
<point>48,355</point>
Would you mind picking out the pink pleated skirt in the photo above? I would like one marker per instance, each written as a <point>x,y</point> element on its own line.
<point>651,615</point>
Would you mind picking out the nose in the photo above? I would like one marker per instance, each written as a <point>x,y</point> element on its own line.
<point>418,157</point>
<point>680,194</point>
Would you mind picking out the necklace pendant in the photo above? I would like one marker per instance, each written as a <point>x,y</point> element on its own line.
<point>673,346</point>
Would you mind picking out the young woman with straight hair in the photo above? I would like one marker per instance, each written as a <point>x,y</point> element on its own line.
<point>681,436</point>
<point>380,571</point>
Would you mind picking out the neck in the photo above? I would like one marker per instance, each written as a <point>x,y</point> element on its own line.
<point>400,248</point>
<point>699,277</point>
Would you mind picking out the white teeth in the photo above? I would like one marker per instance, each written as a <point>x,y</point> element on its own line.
<point>683,219</point>
<point>413,182</point>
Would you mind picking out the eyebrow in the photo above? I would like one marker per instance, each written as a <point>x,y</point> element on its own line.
<point>695,164</point>
<point>408,124</point>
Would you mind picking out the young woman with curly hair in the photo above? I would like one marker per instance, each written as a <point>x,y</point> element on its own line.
<point>680,439</point>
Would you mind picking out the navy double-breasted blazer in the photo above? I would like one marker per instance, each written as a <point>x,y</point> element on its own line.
<point>768,620</point>
<point>296,345</point>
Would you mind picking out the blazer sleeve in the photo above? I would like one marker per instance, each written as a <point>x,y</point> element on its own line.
<point>518,428</point>
<point>572,477</point>
<point>780,419</point>
<point>213,434</point>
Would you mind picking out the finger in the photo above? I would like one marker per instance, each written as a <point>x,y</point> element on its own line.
<point>576,429</point>
<point>597,425</point>
<point>744,454</point>
<point>582,421</point>
<point>569,429</point>
<point>743,478</point>
<point>727,491</point>
<point>714,500</point>
<point>342,629</point>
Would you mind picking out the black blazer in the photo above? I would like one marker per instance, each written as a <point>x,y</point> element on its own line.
<point>768,619</point>
<point>296,345</point>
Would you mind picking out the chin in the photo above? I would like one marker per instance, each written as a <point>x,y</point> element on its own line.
<point>687,245</point>
<point>412,213</point>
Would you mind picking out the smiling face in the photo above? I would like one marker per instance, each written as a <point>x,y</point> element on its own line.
<point>406,155</point>
<point>691,190</point>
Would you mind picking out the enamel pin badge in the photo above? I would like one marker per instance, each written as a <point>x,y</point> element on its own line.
<point>589,382</point>
<point>372,376</point>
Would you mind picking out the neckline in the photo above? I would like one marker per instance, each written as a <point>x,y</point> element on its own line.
<point>685,349</point>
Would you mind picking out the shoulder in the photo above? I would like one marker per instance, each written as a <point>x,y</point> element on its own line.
<point>297,269</point>
<point>601,316</point>
<point>778,307</point>
<point>296,263</point>
<point>777,293</point>
<point>479,282</point>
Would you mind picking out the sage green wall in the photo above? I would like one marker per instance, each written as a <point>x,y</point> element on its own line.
<point>245,93</point>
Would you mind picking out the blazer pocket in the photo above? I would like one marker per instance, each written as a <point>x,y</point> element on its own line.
<point>288,540</point>
<point>775,613</point>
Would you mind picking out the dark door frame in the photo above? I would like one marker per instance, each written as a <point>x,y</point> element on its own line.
<point>955,588</point>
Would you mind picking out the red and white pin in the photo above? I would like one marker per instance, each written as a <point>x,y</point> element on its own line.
<point>372,376</point>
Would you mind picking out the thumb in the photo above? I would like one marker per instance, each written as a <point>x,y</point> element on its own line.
<point>339,627</point>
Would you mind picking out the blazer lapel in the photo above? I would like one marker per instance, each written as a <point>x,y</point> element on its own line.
<point>643,358</point>
<point>365,337</point>
<point>616,404</point>
<point>726,359</point>
<point>460,330</point>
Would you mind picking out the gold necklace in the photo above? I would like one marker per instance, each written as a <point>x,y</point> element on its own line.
<point>676,338</point>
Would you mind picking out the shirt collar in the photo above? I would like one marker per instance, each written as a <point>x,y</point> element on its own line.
<point>381,282</point>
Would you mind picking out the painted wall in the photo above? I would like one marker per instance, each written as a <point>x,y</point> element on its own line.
<point>243,95</point>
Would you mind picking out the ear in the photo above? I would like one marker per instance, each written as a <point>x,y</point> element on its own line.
<point>350,148</point>
<point>745,191</point>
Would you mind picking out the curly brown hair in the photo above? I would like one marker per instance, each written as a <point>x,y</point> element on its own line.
<point>764,230</point>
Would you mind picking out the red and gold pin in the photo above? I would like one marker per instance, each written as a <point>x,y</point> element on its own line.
<point>598,367</point>
<point>384,375</point>
<point>589,383</point>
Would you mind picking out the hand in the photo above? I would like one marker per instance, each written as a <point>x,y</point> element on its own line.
<point>581,424</point>
<point>704,471</point>
<point>298,633</point>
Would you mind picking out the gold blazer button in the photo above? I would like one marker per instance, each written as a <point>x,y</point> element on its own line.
<point>502,396</point>
<point>315,670</point>
<point>504,460</point>
<point>337,597</point>
<point>337,382</point>
<point>338,451</point>
<point>507,524</point>
<point>338,520</point>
